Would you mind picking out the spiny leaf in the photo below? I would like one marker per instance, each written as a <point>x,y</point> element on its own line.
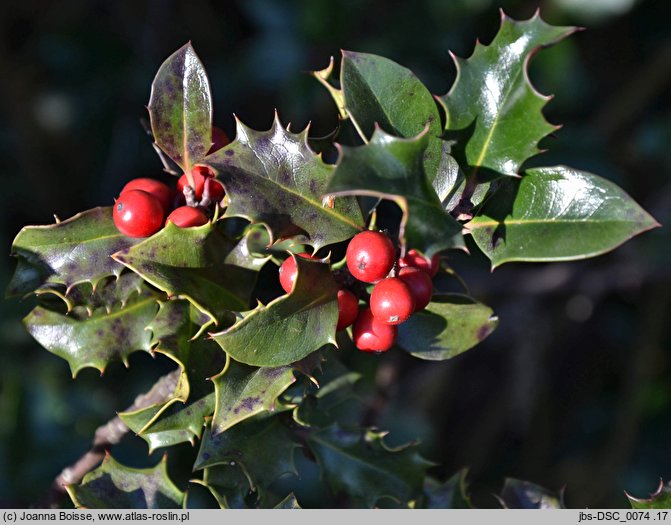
<point>449,495</point>
<point>290,502</point>
<point>660,499</point>
<point>273,177</point>
<point>67,253</point>
<point>242,392</point>
<point>180,108</point>
<point>261,445</point>
<point>115,486</point>
<point>323,76</point>
<point>228,484</point>
<point>391,168</point>
<point>556,214</point>
<point>518,494</point>
<point>200,264</point>
<point>494,97</point>
<point>95,340</point>
<point>290,327</point>
<point>450,325</point>
<point>359,464</point>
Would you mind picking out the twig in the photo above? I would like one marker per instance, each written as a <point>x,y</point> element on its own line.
<point>107,435</point>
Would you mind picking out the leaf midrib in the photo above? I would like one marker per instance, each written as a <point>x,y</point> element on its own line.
<point>519,222</point>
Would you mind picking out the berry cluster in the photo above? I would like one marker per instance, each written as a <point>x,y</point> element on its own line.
<point>145,205</point>
<point>401,287</point>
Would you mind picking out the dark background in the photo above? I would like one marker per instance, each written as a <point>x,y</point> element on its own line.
<point>573,388</point>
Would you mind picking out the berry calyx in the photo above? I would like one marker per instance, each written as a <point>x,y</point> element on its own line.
<point>156,188</point>
<point>137,214</point>
<point>420,285</point>
<point>391,301</point>
<point>348,309</point>
<point>200,174</point>
<point>288,271</point>
<point>219,139</point>
<point>187,217</point>
<point>415,259</point>
<point>370,256</point>
<point>370,335</point>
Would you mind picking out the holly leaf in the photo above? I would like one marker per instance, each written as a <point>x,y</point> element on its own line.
<point>493,96</point>
<point>449,495</point>
<point>242,391</point>
<point>200,264</point>
<point>518,494</point>
<point>556,214</point>
<point>659,499</point>
<point>95,340</point>
<point>389,167</point>
<point>115,486</point>
<point>323,76</point>
<point>180,108</point>
<point>290,502</point>
<point>228,484</point>
<point>262,446</point>
<point>273,177</point>
<point>67,253</point>
<point>359,464</point>
<point>450,325</point>
<point>290,327</point>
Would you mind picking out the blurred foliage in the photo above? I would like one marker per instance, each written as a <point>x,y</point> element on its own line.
<point>573,387</point>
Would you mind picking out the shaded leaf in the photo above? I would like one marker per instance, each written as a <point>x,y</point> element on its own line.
<point>228,484</point>
<point>450,325</point>
<point>518,494</point>
<point>449,495</point>
<point>556,214</point>
<point>272,177</point>
<point>115,486</point>
<point>290,502</point>
<point>242,391</point>
<point>67,253</point>
<point>391,168</point>
<point>290,327</point>
<point>493,95</point>
<point>660,499</point>
<point>359,464</point>
<point>180,108</point>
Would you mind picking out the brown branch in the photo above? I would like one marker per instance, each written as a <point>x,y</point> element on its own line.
<point>107,435</point>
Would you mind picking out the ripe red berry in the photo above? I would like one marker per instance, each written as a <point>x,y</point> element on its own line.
<point>187,216</point>
<point>348,309</point>
<point>370,335</point>
<point>370,256</point>
<point>219,139</point>
<point>200,174</point>
<point>216,189</point>
<point>288,271</point>
<point>156,188</point>
<point>420,286</point>
<point>137,214</point>
<point>391,301</point>
<point>416,260</point>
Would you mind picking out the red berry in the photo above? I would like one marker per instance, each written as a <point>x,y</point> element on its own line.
<point>156,188</point>
<point>288,271</point>
<point>420,286</point>
<point>370,335</point>
<point>138,213</point>
<point>370,256</point>
<point>219,139</point>
<point>348,309</point>
<point>216,190</point>
<point>391,301</point>
<point>187,216</point>
<point>200,173</point>
<point>415,259</point>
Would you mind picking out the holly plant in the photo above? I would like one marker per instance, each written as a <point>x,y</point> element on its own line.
<point>277,256</point>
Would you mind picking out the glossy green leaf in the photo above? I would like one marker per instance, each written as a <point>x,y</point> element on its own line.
<point>243,391</point>
<point>67,253</point>
<point>451,494</point>
<point>450,325</point>
<point>556,214</point>
<point>290,327</point>
<point>493,97</point>
<point>391,168</point>
<point>518,494</point>
<point>95,340</point>
<point>323,76</point>
<point>262,446</point>
<point>359,464</point>
<point>228,484</point>
<point>180,108</point>
<point>660,499</point>
<point>272,177</point>
<point>115,486</point>
<point>200,264</point>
